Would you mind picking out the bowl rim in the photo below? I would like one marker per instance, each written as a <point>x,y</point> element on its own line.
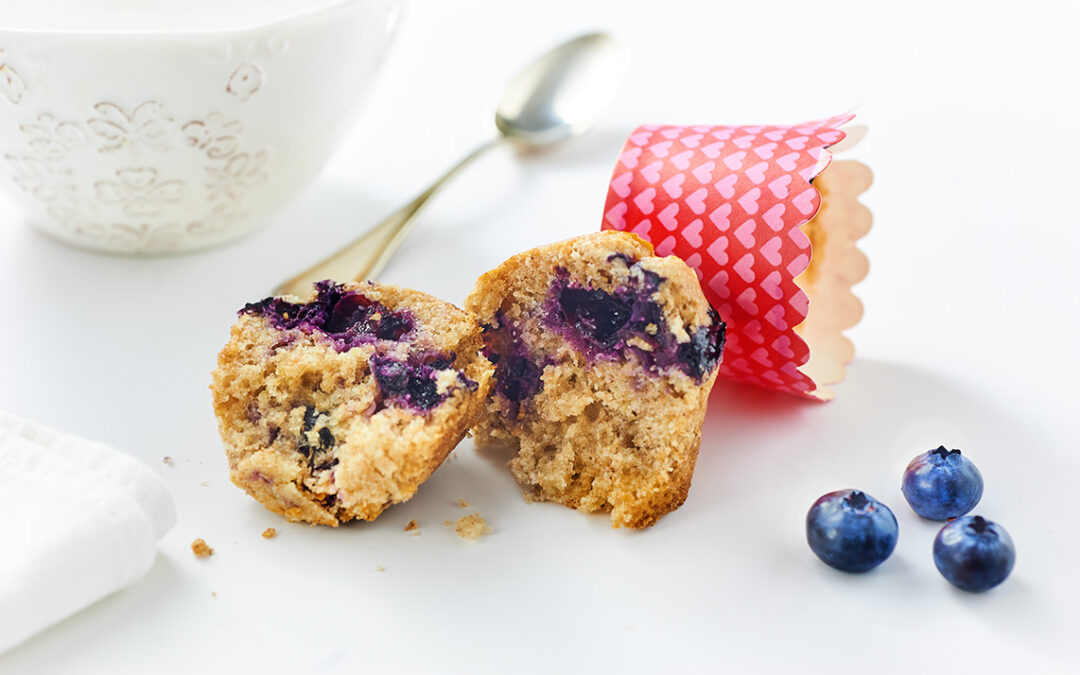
<point>305,12</point>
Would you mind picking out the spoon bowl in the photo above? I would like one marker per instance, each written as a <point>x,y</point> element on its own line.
<point>562,93</point>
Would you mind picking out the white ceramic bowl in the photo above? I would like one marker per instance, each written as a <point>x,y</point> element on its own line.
<point>153,126</point>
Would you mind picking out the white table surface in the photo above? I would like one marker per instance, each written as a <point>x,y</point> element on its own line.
<point>969,340</point>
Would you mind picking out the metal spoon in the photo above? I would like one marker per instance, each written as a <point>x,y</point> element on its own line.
<point>559,96</point>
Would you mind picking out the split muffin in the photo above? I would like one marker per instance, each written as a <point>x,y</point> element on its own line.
<point>604,357</point>
<point>334,407</point>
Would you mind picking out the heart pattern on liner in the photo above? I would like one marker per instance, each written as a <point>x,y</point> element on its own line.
<point>730,201</point>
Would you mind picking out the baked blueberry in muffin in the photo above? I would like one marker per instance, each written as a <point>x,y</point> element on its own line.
<point>334,407</point>
<point>604,358</point>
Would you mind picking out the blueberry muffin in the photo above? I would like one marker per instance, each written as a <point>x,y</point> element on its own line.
<point>337,406</point>
<point>604,358</point>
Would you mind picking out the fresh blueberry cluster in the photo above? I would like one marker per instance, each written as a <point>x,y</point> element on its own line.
<point>853,532</point>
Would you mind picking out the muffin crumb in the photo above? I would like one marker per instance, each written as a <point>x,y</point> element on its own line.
<point>200,548</point>
<point>167,460</point>
<point>463,504</point>
<point>411,526</point>
<point>471,527</point>
<point>269,533</point>
<point>380,568</point>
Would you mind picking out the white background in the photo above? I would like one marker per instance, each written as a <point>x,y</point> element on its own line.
<point>969,340</point>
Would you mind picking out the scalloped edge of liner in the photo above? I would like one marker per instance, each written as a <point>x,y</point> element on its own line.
<point>833,307</point>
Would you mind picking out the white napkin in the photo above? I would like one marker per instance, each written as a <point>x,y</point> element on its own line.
<point>78,521</point>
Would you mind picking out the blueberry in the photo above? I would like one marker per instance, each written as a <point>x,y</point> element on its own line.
<point>440,361</point>
<point>594,313</point>
<point>393,326</point>
<point>413,383</point>
<point>942,484</point>
<point>348,318</point>
<point>623,258</point>
<point>700,354</point>
<point>518,378</point>
<point>851,531</point>
<point>392,376</point>
<point>604,325</point>
<point>423,393</point>
<point>974,554</point>
<point>348,311</point>
<point>325,438</point>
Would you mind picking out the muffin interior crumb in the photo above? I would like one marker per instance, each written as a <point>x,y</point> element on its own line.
<point>201,549</point>
<point>471,527</point>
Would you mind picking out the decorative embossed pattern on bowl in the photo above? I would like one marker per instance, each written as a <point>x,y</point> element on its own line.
<point>158,141</point>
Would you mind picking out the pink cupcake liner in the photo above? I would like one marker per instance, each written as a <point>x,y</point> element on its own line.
<point>770,226</point>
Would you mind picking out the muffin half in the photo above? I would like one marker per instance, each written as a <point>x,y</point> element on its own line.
<point>604,358</point>
<point>335,407</point>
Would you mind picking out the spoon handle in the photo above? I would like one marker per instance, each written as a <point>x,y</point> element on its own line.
<point>367,255</point>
